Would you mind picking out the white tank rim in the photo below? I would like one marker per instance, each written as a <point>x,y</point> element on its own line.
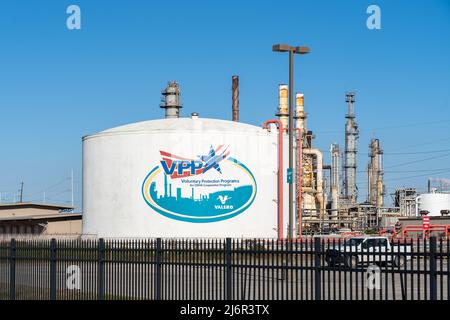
<point>182,124</point>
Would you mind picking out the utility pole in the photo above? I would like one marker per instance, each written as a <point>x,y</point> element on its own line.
<point>21,192</point>
<point>71,187</point>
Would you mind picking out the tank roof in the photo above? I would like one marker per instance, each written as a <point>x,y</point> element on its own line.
<point>189,124</point>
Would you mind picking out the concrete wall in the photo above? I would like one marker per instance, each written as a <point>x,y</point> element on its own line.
<point>41,227</point>
<point>70,227</point>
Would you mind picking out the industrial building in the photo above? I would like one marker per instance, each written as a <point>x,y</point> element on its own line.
<point>38,219</point>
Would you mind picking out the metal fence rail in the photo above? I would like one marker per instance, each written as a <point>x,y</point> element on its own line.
<point>218,269</point>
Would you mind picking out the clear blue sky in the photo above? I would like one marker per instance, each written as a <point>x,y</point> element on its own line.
<point>57,85</point>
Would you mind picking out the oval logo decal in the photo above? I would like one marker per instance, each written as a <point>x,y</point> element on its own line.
<point>210,188</point>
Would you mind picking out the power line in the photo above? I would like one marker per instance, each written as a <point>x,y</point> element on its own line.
<point>409,171</point>
<point>416,161</point>
<point>403,153</point>
<point>50,187</point>
<point>408,177</point>
<point>390,127</point>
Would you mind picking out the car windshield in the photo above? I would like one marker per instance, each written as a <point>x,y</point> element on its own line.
<point>353,242</point>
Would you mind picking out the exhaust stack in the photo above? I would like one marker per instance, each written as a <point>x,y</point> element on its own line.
<point>283,112</point>
<point>300,114</point>
<point>171,100</point>
<point>235,98</point>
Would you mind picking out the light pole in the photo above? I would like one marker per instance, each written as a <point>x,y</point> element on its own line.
<point>292,50</point>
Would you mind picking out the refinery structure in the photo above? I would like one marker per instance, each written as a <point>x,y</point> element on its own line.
<point>197,177</point>
<point>190,176</point>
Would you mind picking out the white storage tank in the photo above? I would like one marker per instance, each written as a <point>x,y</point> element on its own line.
<point>182,177</point>
<point>433,202</point>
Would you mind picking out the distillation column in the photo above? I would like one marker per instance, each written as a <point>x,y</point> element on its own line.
<point>351,136</point>
<point>334,180</point>
<point>375,174</point>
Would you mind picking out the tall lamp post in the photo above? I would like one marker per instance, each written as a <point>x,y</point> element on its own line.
<point>292,50</point>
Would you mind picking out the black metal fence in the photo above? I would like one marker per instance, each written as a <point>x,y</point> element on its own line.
<point>220,269</point>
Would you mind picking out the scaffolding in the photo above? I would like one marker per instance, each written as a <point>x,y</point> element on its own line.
<point>405,200</point>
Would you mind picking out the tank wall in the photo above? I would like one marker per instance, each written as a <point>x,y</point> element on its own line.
<point>115,167</point>
<point>434,203</point>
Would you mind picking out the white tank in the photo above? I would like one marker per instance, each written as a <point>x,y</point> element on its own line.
<point>433,202</point>
<point>182,177</point>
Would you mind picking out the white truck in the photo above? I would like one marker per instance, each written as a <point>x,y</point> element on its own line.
<point>356,251</point>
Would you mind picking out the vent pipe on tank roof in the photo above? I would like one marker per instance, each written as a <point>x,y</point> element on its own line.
<point>194,115</point>
<point>171,100</point>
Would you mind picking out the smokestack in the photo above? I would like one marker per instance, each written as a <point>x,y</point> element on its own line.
<point>351,137</point>
<point>283,112</point>
<point>300,115</point>
<point>235,98</point>
<point>171,100</point>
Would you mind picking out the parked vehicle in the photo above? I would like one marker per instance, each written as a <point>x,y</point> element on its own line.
<point>367,250</point>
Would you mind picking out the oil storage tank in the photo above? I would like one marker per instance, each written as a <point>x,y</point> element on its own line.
<point>181,177</point>
<point>433,202</point>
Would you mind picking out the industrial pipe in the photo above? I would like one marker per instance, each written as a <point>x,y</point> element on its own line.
<point>299,142</point>
<point>235,98</point>
<point>309,190</point>
<point>280,173</point>
<point>319,187</point>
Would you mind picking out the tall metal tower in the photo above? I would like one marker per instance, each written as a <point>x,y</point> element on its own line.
<point>351,137</point>
<point>334,179</point>
<point>375,174</point>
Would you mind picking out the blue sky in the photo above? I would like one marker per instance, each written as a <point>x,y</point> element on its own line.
<point>57,85</point>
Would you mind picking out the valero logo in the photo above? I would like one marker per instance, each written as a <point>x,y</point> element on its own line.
<point>209,188</point>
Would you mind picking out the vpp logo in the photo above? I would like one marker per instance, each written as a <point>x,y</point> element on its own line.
<point>179,167</point>
<point>228,190</point>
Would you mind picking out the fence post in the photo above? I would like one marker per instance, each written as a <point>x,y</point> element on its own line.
<point>53,269</point>
<point>317,274</point>
<point>158,269</point>
<point>228,271</point>
<point>433,269</point>
<point>12,270</point>
<point>101,270</point>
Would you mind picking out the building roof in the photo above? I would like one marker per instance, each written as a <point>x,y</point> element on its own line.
<point>20,205</point>
<point>47,217</point>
